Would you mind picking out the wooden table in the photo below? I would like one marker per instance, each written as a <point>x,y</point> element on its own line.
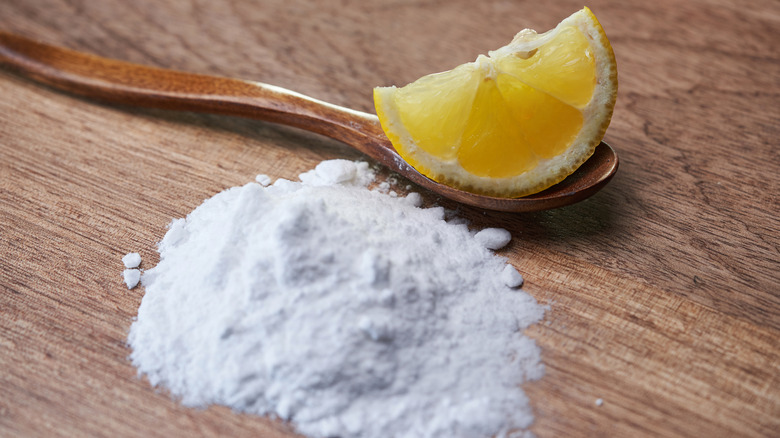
<point>664,287</point>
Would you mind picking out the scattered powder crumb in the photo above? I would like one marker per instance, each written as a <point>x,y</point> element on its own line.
<point>414,199</point>
<point>493,238</point>
<point>263,179</point>
<point>132,260</point>
<point>343,310</point>
<point>599,402</point>
<point>131,277</point>
<point>511,277</point>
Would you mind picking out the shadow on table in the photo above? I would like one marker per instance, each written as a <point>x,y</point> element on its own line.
<point>596,220</point>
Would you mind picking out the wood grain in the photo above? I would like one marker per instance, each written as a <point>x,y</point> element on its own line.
<point>663,287</point>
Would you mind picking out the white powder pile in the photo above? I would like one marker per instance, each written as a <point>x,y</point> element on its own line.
<point>347,311</point>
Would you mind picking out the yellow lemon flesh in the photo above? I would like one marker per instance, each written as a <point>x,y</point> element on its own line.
<point>514,122</point>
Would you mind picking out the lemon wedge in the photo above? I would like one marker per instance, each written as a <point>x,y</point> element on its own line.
<point>514,122</point>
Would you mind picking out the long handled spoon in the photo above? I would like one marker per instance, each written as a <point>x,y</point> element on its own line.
<point>131,84</point>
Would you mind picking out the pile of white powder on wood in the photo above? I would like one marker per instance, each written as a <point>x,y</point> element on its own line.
<point>347,311</point>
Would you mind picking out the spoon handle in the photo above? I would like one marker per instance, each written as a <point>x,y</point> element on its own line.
<point>125,83</point>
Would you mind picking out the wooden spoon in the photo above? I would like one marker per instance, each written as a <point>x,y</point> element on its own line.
<point>131,84</point>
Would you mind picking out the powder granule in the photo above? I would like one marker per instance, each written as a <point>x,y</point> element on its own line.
<point>131,260</point>
<point>131,277</point>
<point>511,277</point>
<point>493,238</point>
<point>263,179</point>
<point>346,311</point>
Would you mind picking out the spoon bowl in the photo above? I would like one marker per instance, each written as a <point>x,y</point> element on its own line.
<point>125,83</point>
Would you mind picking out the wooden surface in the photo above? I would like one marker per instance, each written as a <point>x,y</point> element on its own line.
<point>664,287</point>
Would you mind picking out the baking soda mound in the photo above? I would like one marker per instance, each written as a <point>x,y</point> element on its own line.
<point>346,311</point>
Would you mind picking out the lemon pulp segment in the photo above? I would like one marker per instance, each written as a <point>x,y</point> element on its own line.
<point>450,92</point>
<point>563,68</point>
